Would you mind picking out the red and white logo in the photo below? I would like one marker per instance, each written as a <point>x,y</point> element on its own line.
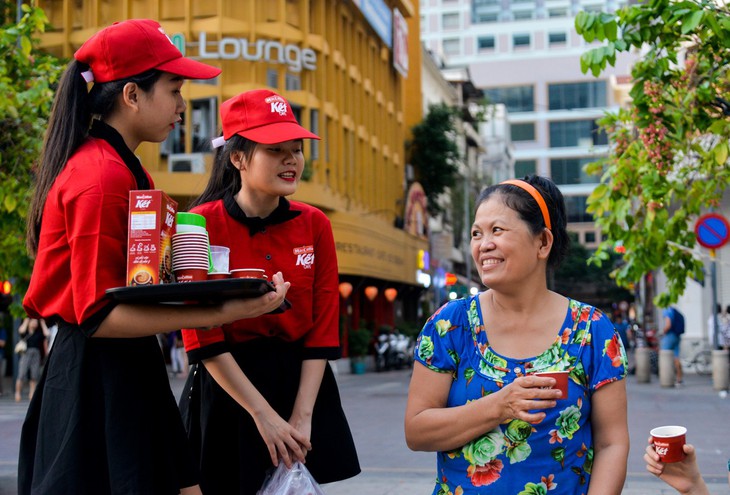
<point>278,105</point>
<point>305,256</point>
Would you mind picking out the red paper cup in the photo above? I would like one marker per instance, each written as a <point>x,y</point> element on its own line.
<point>669,442</point>
<point>561,380</point>
<point>248,273</point>
<point>191,275</point>
<point>219,275</point>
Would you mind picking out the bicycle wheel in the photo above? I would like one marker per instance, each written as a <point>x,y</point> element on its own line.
<point>703,363</point>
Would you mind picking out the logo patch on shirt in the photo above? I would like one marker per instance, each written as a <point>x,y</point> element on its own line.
<point>305,256</point>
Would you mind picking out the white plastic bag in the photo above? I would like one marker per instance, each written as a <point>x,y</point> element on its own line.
<point>295,481</point>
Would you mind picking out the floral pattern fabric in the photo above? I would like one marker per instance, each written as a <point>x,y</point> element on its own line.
<point>518,458</point>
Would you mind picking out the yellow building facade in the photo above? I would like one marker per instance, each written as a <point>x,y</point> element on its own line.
<point>333,61</point>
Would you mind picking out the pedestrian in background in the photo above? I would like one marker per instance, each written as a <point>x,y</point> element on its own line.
<point>103,419</point>
<point>3,341</point>
<point>35,333</point>
<point>268,394</point>
<point>474,395</point>
<point>673,328</point>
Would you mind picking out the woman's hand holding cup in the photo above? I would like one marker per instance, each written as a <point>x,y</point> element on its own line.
<point>526,396</point>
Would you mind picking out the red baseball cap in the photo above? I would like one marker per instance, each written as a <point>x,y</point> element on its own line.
<point>261,116</point>
<point>128,48</point>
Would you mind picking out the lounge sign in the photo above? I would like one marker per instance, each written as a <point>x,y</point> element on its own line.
<point>260,50</point>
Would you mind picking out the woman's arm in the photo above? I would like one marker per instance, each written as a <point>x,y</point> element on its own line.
<point>131,320</point>
<point>281,438</point>
<point>610,439</point>
<point>301,417</point>
<point>24,326</point>
<point>431,426</point>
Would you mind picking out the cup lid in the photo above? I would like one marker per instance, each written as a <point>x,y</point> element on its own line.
<point>188,218</point>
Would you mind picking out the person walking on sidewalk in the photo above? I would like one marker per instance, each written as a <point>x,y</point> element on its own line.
<point>673,329</point>
<point>475,395</point>
<point>35,333</point>
<point>103,419</point>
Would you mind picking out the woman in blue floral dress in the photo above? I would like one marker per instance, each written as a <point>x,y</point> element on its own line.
<point>474,397</point>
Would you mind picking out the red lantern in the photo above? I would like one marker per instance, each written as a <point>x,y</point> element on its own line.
<point>345,289</point>
<point>391,294</point>
<point>371,292</point>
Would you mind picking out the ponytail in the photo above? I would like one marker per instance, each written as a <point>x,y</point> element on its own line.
<point>225,178</point>
<point>68,127</point>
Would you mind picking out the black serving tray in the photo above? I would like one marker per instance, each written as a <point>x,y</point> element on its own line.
<point>207,292</point>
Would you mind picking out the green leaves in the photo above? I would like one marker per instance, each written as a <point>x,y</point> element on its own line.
<point>668,161</point>
<point>27,79</point>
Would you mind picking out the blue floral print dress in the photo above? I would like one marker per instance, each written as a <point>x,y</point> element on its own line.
<point>518,458</point>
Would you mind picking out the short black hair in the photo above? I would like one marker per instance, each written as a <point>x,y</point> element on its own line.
<point>529,211</point>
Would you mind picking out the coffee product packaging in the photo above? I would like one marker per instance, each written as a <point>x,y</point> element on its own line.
<point>149,246</point>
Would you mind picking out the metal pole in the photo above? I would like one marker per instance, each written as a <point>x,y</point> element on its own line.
<point>715,324</point>
<point>467,229</point>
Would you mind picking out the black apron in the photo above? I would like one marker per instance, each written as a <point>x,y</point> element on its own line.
<point>233,456</point>
<point>103,420</point>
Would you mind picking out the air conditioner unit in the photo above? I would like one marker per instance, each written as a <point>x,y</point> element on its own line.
<point>186,162</point>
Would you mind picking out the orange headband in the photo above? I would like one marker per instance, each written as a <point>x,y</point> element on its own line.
<point>536,195</point>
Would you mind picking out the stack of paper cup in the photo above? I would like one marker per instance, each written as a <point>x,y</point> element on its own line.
<point>190,256</point>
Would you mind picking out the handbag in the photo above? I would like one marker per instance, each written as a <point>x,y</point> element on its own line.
<point>21,346</point>
<point>295,481</point>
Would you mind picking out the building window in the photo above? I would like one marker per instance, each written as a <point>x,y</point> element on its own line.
<point>567,96</point>
<point>293,82</point>
<point>515,98</point>
<point>521,40</point>
<point>523,131</point>
<point>204,127</point>
<point>521,15</point>
<point>583,133</point>
<point>575,207</point>
<point>525,167</point>
<point>590,237</point>
<point>485,43</point>
<point>485,18</point>
<point>553,13</point>
<point>450,21</point>
<point>570,171</point>
<point>557,38</point>
<point>272,78</point>
<point>451,46</point>
<point>314,124</point>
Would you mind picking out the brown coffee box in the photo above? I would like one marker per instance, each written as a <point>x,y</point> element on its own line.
<point>149,246</point>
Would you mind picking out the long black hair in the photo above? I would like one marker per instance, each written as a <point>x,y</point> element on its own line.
<point>68,127</point>
<point>225,178</point>
<point>529,211</point>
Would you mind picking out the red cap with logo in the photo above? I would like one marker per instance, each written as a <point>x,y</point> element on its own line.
<point>131,47</point>
<point>261,116</point>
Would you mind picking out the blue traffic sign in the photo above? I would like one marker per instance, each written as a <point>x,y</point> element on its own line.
<point>712,230</point>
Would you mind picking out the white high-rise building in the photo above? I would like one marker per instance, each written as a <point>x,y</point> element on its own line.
<point>526,55</point>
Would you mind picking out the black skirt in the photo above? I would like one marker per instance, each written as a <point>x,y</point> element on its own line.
<point>233,456</point>
<point>103,420</point>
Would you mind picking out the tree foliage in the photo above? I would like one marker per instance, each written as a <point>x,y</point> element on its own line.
<point>27,79</point>
<point>668,160</point>
<point>434,153</point>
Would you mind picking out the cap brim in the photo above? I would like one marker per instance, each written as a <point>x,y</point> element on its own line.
<point>277,133</point>
<point>189,68</point>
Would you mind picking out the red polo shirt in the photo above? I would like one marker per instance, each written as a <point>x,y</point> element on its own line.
<point>82,245</point>
<point>296,240</point>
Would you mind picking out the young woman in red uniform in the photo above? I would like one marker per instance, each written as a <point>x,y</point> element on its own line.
<point>103,419</point>
<point>268,394</point>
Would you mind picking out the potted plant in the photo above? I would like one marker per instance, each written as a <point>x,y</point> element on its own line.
<point>359,346</point>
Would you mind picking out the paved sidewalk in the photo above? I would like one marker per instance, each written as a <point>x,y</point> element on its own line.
<point>375,402</point>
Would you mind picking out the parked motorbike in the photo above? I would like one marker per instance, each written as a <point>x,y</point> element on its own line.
<point>393,350</point>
